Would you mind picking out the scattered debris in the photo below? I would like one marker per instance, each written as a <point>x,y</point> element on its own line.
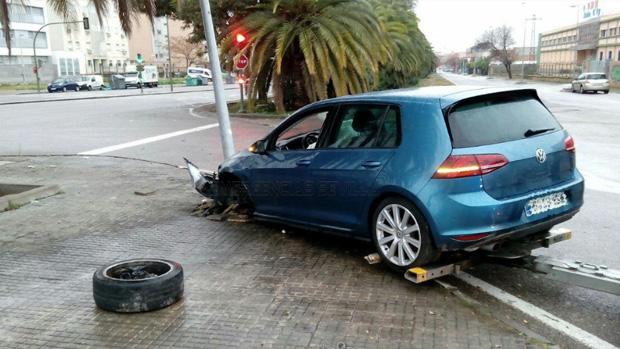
<point>232,213</point>
<point>373,258</point>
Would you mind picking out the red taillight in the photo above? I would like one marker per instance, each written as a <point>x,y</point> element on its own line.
<point>473,237</point>
<point>569,144</point>
<point>457,166</point>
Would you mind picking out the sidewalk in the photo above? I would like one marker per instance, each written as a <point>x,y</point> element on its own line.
<point>44,96</point>
<point>247,285</point>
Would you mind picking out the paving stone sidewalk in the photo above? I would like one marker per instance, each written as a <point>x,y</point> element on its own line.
<point>247,285</point>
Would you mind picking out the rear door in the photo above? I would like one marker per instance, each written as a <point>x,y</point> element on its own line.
<point>518,126</point>
<point>361,140</point>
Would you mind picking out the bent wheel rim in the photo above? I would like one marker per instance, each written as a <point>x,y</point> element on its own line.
<point>138,270</point>
<point>398,235</point>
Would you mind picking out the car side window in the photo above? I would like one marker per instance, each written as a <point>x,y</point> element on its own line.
<point>581,77</point>
<point>303,134</point>
<point>364,126</point>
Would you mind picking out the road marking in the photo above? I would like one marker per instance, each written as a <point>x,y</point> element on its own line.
<point>196,115</point>
<point>546,318</point>
<point>147,140</point>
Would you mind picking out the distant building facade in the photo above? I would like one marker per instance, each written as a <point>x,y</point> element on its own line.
<point>593,45</point>
<point>26,19</point>
<point>102,49</point>
<point>151,41</point>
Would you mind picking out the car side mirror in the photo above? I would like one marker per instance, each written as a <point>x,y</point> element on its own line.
<point>259,147</point>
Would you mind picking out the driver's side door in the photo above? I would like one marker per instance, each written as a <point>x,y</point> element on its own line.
<point>282,185</point>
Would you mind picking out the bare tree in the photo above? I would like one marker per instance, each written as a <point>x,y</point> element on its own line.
<point>185,49</point>
<point>453,61</point>
<point>500,42</point>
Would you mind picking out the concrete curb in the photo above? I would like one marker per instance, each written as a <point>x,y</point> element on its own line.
<point>20,199</point>
<point>105,97</point>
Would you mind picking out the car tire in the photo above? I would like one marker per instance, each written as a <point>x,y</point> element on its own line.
<point>64,89</point>
<point>90,88</point>
<point>581,90</point>
<point>606,91</point>
<point>138,285</point>
<point>400,259</point>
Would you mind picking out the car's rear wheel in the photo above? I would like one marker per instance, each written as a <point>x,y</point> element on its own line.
<point>606,91</point>
<point>401,235</point>
<point>581,90</point>
<point>64,89</point>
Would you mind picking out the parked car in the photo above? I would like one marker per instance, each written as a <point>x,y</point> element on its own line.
<point>199,72</point>
<point>418,172</point>
<point>91,82</point>
<point>63,84</point>
<point>591,82</point>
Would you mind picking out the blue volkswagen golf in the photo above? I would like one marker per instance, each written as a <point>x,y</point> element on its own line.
<point>418,172</point>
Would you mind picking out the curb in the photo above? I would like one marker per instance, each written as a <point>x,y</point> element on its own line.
<point>105,97</point>
<point>23,198</point>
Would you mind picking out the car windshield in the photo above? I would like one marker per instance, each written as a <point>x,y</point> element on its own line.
<point>484,122</point>
<point>84,78</point>
<point>597,76</point>
<point>131,74</point>
<point>58,81</point>
<point>195,71</point>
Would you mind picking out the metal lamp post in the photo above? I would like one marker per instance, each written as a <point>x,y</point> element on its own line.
<point>34,47</point>
<point>218,85</point>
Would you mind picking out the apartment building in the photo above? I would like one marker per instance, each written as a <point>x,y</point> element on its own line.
<point>102,49</point>
<point>26,20</point>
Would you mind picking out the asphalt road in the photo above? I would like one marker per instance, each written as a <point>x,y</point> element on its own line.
<point>70,127</point>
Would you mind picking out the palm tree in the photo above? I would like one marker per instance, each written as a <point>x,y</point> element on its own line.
<point>312,48</point>
<point>127,9</point>
<point>406,41</point>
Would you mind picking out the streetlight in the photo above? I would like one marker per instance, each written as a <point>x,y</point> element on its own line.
<point>218,85</point>
<point>34,45</point>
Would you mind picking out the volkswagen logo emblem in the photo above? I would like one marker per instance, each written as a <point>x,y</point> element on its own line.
<point>541,156</point>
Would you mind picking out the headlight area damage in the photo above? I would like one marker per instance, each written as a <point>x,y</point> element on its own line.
<point>227,198</point>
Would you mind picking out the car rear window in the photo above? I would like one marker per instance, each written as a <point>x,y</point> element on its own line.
<point>597,76</point>
<point>497,120</point>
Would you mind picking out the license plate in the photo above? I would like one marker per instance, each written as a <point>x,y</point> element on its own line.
<point>545,203</point>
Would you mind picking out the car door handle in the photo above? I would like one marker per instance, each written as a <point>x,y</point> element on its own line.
<point>303,162</point>
<point>371,164</point>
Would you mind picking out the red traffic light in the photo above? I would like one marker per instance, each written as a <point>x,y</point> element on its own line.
<point>240,38</point>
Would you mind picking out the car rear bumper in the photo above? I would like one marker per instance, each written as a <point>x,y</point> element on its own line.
<point>598,87</point>
<point>474,212</point>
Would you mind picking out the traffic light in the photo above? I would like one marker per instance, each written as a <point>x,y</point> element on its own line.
<point>86,24</point>
<point>240,39</point>
<point>139,58</point>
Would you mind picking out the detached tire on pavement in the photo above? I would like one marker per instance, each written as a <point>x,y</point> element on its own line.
<point>138,285</point>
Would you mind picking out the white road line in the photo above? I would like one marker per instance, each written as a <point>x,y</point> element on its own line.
<point>546,318</point>
<point>147,140</point>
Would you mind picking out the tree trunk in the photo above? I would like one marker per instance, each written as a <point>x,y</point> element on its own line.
<point>508,70</point>
<point>278,97</point>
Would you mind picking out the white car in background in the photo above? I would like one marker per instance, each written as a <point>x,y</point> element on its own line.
<point>199,72</point>
<point>590,82</point>
<point>91,82</point>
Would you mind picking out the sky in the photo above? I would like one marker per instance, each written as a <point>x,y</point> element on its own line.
<point>454,25</point>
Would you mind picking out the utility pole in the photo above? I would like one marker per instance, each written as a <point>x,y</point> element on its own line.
<point>169,52</point>
<point>34,46</point>
<point>532,39</point>
<point>218,85</point>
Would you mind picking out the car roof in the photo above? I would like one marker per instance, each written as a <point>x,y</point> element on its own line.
<point>444,95</point>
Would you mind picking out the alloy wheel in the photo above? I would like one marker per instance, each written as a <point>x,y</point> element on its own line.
<point>398,235</point>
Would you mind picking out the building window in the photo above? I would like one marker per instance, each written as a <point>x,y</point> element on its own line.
<point>600,56</point>
<point>618,55</point>
<point>24,39</point>
<point>609,55</point>
<point>26,14</point>
<point>603,33</point>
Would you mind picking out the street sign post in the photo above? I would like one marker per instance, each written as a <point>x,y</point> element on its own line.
<point>140,69</point>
